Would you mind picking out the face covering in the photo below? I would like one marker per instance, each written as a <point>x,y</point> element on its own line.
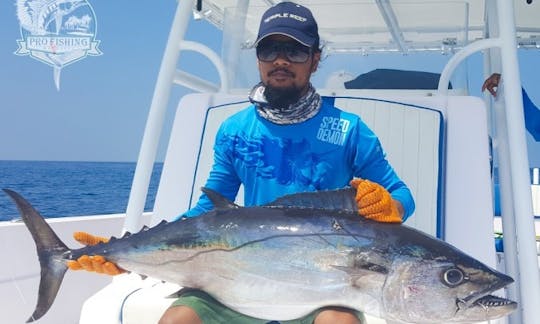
<point>303,109</point>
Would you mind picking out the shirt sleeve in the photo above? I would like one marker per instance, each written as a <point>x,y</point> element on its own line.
<point>532,116</point>
<point>223,177</point>
<point>370,163</point>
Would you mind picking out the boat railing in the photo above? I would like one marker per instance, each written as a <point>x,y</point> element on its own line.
<point>535,190</point>
<point>196,83</point>
<point>518,225</point>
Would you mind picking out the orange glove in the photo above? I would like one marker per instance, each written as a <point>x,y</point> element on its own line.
<point>95,263</point>
<point>374,202</point>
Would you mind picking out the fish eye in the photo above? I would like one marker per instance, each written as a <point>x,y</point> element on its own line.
<point>453,277</point>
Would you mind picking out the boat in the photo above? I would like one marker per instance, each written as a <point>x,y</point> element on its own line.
<point>450,172</point>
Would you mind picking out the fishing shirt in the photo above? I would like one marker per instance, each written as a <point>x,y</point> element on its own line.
<point>322,153</point>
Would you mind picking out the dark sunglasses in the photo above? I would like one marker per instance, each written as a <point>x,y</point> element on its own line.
<point>294,52</point>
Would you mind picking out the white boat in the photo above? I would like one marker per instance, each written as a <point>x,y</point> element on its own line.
<point>449,171</point>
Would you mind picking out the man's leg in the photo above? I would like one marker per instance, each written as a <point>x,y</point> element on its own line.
<point>180,314</point>
<point>340,315</point>
<point>197,307</point>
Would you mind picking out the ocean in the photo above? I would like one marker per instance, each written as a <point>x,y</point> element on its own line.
<point>60,189</point>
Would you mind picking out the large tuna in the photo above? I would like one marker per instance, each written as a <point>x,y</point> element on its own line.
<point>285,259</point>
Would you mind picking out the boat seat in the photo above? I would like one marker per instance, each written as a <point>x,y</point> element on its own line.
<point>438,146</point>
<point>412,136</point>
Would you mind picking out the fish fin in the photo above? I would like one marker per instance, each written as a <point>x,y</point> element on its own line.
<point>343,199</point>
<point>363,278</point>
<point>218,200</point>
<point>370,266</point>
<point>49,249</point>
<point>366,262</point>
<point>371,260</point>
<point>360,272</point>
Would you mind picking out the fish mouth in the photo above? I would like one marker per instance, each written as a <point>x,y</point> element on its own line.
<point>485,308</point>
<point>490,301</point>
<point>483,299</point>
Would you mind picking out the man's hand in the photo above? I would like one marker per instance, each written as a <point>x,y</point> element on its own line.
<point>492,83</point>
<point>375,202</point>
<point>95,263</point>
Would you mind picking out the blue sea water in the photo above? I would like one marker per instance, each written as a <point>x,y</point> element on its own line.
<point>60,189</point>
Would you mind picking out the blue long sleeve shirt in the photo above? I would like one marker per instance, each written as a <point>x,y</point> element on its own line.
<point>532,116</point>
<point>270,160</point>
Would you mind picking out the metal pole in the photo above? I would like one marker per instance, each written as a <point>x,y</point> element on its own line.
<point>507,206</point>
<point>156,115</point>
<point>457,58</point>
<point>500,154</point>
<point>519,168</point>
<point>233,46</point>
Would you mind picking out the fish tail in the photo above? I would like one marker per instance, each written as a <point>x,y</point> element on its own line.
<point>50,250</point>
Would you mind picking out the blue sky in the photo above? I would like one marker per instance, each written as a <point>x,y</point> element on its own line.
<point>100,112</point>
<point>101,108</point>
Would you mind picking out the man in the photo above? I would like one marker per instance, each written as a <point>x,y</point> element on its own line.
<point>530,111</point>
<point>292,140</point>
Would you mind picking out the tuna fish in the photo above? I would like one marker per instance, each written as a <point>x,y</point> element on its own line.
<point>285,259</point>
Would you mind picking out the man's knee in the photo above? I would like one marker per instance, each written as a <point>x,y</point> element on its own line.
<point>180,315</point>
<point>337,315</point>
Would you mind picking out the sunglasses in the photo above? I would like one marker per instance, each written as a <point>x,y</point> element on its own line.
<point>294,52</point>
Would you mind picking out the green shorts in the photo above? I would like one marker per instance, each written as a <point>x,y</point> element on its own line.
<point>210,311</point>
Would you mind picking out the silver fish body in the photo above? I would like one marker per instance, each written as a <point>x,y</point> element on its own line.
<point>281,261</point>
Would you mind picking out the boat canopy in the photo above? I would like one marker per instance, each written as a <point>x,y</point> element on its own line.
<point>382,25</point>
<point>358,28</point>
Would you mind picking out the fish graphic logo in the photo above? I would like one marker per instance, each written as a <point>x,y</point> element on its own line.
<point>57,32</point>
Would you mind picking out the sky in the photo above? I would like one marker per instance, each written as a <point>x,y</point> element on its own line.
<point>100,111</point>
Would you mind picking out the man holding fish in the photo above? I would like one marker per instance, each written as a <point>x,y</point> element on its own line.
<point>289,140</point>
